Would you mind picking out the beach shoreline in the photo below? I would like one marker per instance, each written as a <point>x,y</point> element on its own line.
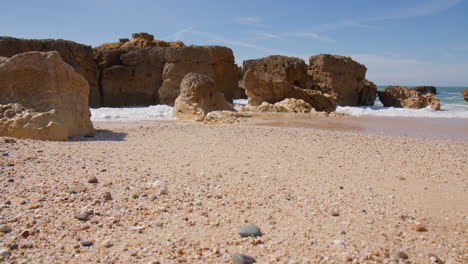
<point>319,196</point>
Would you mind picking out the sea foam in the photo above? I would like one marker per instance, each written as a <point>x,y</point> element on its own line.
<point>154,112</point>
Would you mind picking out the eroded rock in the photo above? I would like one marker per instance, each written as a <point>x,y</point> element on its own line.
<point>198,97</point>
<point>402,96</point>
<point>42,97</point>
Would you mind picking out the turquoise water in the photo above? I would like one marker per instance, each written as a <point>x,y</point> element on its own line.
<point>452,106</point>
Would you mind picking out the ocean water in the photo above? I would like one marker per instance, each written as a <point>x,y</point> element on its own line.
<point>452,106</point>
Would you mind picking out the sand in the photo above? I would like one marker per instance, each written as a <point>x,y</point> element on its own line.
<point>318,196</point>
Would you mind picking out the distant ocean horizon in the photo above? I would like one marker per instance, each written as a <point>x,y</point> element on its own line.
<point>452,106</point>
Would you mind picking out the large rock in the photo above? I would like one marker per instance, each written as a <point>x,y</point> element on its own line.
<point>367,94</point>
<point>464,92</point>
<point>225,117</point>
<point>79,56</point>
<point>425,89</point>
<point>198,96</point>
<point>42,97</point>
<point>402,96</point>
<point>145,71</point>
<point>341,77</point>
<point>290,105</point>
<point>275,78</point>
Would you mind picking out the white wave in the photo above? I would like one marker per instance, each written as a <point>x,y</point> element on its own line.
<point>153,112</point>
<point>240,101</point>
<point>450,111</point>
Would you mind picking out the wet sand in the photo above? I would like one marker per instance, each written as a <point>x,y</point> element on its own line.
<point>333,195</point>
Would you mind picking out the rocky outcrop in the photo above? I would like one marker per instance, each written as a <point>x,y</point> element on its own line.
<point>367,94</point>
<point>464,92</point>
<point>290,105</point>
<point>198,96</point>
<point>402,96</point>
<point>275,78</point>
<point>341,77</point>
<point>425,89</point>
<point>42,97</point>
<point>225,117</point>
<point>79,56</point>
<point>145,71</point>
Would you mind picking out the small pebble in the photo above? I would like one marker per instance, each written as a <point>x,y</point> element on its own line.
<point>25,234</point>
<point>107,243</point>
<point>77,188</point>
<point>249,230</point>
<point>13,246</point>
<point>162,187</point>
<point>5,252</point>
<point>419,228</point>
<point>86,243</point>
<point>435,259</point>
<point>93,180</point>
<point>82,217</point>
<point>402,255</point>
<point>107,196</point>
<point>5,228</point>
<point>242,259</point>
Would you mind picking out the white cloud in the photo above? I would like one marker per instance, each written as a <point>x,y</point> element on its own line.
<point>262,34</point>
<point>383,69</point>
<point>254,21</point>
<point>310,35</point>
<point>423,8</point>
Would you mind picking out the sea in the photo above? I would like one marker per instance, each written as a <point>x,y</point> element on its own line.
<point>452,106</point>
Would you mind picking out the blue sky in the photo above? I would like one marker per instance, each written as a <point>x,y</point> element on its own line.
<point>410,42</point>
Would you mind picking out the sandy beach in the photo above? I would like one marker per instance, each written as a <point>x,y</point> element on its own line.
<point>318,196</point>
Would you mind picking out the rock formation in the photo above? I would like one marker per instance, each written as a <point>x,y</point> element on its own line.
<point>341,77</point>
<point>425,89</point>
<point>42,97</point>
<point>367,94</point>
<point>79,56</point>
<point>198,96</point>
<point>275,78</point>
<point>464,92</point>
<point>402,96</point>
<point>145,71</point>
<point>225,117</point>
<point>290,105</point>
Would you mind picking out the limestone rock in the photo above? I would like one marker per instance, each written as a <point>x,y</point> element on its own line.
<point>341,77</point>
<point>275,78</point>
<point>402,96</point>
<point>425,89</point>
<point>367,94</point>
<point>79,56</point>
<point>42,97</point>
<point>464,92</point>
<point>144,71</point>
<point>295,105</point>
<point>225,117</point>
<point>198,97</point>
<point>264,107</point>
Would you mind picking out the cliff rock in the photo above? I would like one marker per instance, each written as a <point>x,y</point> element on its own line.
<point>144,71</point>
<point>464,92</point>
<point>402,96</point>
<point>275,78</point>
<point>341,77</point>
<point>42,97</point>
<point>79,56</point>
<point>198,96</point>
<point>425,89</point>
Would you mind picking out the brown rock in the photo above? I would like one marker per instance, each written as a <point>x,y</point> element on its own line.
<point>425,89</point>
<point>402,96</point>
<point>367,94</point>
<point>79,56</point>
<point>275,78</point>
<point>295,105</point>
<point>198,97</point>
<point>464,92</point>
<point>42,97</point>
<point>145,71</point>
<point>341,77</point>
<point>225,117</point>
<point>264,107</point>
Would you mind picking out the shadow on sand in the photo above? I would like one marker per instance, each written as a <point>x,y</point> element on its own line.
<point>101,135</point>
